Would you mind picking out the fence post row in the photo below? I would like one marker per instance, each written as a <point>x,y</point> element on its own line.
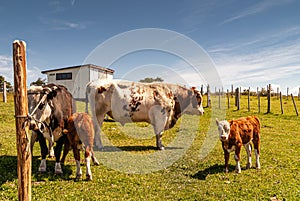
<point>295,106</point>
<point>21,112</point>
<point>4,92</point>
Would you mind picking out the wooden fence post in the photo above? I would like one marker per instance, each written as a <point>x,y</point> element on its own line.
<point>281,106</point>
<point>21,112</point>
<point>4,92</point>
<point>295,106</point>
<point>258,99</point>
<point>269,98</point>
<point>238,98</point>
<point>249,99</point>
<point>287,94</point>
<point>208,97</point>
<point>228,98</point>
<point>219,99</point>
<point>299,94</point>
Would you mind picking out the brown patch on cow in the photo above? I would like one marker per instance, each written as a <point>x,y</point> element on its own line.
<point>101,90</point>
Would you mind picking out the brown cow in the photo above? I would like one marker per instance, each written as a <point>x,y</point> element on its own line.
<point>235,133</point>
<point>80,135</point>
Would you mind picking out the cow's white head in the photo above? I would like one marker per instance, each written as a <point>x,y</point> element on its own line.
<point>40,105</point>
<point>195,107</point>
<point>224,129</point>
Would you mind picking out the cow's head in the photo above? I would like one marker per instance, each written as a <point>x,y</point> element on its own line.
<point>224,129</point>
<point>195,107</point>
<point>40,105</point>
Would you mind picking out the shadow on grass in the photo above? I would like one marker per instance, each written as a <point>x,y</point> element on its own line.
<point>215,169</point>
<point>8,170</point>
<point>132,148</point>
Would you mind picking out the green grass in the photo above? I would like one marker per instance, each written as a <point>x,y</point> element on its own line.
<point>188,178</point>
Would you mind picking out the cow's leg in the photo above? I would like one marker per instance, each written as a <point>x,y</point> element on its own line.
<point>94,159</point>
<point>158,120</point>
<point>237,157</point>
<point>256,144</point>
<point>248,148</point>
<point>44,151</point>
<point>88,163</point>
<point>77,159</point>
<point>97,127</point>
<point>65,151</point>
<point>159,144</point>
<point>57,153</point>
<point>32,140</point>
<point>51,149</point>
<point>226,158</point>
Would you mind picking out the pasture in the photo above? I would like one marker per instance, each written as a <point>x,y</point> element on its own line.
<point>189,178</point>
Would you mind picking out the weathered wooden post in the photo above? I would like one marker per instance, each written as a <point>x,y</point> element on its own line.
<point>258,99</point>
<point>249,99</point>
<point>277,94</point>
<point>208,97</point>
<point>281,106</point>
<point>21,112</point>
<point>4,92</point>
<point>238,94</point>
<point>219,99</point>
<point>287,94</point>
<point>269,98</point>
<point>228,98</point>
<point>299,94</point>
<point>295,106</point>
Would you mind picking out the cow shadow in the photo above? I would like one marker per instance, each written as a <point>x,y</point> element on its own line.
<point>215,169</point>
<point>133,148</point>
<point>8,170</point>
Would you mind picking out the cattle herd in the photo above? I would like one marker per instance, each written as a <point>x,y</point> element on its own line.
<point>53,118</point>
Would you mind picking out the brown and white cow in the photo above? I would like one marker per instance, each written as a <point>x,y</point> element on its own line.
<point>159,104</point>
<point>80,134</point>
<point>49,106</point>
<point>234,134</point>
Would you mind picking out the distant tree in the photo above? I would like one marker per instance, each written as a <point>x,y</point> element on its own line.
<point>150,79</point>
<point>8,84</point>
<point>39,82</point>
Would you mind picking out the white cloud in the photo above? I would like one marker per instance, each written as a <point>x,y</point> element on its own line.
<point>268,58</point>
<point>257,8</point>
<point>6,70</point>
<point>57,24</point>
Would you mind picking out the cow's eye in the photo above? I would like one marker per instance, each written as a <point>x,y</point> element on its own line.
<point>41,106</point>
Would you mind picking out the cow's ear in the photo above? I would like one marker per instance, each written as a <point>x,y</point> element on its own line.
<point>101,90</point>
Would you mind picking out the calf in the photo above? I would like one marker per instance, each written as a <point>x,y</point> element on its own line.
<point>80,134</point>
<point>234,134</point>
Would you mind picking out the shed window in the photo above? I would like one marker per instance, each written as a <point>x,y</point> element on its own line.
<point>63,76</point>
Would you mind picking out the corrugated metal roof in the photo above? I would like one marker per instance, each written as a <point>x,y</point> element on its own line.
<point>81,66</point>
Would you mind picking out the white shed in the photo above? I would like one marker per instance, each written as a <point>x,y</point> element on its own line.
<point>75,78</point>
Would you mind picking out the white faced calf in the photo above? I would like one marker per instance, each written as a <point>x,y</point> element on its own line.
<point>235,133</point>
<point>80,135</point>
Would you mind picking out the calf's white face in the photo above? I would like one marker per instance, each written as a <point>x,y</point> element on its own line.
<point>224,129</point>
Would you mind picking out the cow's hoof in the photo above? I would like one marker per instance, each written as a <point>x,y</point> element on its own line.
<point>225,170</point>
<point>89,177</point>
<point>42,170</point>
<point>78,176</point>
<point>96,162</point>
<point>58,169</point>
<point>248,166</point>
<point>162,148</point>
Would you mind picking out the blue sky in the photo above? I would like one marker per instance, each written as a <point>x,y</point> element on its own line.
<point>251,43</point>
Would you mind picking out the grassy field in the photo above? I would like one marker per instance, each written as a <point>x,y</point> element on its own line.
<point>188,178</point>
